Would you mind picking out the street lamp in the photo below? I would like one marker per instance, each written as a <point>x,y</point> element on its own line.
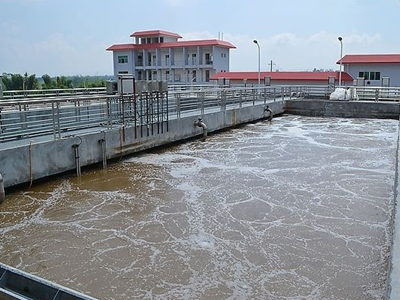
<point>259,63</point>
<point>340,65</point>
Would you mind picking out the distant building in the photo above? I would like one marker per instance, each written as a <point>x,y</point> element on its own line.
<point>373,69</point>
<point>159,55</point>
<point>282,78</point>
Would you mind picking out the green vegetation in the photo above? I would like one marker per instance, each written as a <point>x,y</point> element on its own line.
<point>31,82</point>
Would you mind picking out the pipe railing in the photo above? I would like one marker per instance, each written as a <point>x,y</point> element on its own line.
<point>19,94</point>
<point>61,116</point>
<point>150,112</point>
<point>377,93</point>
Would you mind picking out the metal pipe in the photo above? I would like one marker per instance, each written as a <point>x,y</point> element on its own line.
<point>77,158</point>
<point>104,151</point>
<point>341,58</point>
<point>30,165</point>
<point>259,64</point>
<point>2,192</point>
<point>199,123</point>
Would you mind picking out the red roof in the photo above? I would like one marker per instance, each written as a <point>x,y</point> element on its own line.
<point>122,47</point>
<point>155,33</point>
<point>288,76</point>
<point>370,59</point>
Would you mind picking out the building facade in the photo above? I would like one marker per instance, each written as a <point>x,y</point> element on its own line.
<point>159,55</point>
<point>373,69</point>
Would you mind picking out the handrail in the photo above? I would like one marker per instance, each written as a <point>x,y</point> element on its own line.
<point>17,94</point>
<point>61,116</point>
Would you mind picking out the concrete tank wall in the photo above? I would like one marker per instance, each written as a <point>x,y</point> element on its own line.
<point>343,109</point>
<point>21,164</point>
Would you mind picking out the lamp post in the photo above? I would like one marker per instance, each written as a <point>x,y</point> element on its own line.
<point>259,63</point>
<point>340,65</point>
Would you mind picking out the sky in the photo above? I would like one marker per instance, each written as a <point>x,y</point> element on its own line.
<point>70,37</point>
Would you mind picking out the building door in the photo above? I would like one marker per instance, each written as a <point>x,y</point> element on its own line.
<point>194,79</point>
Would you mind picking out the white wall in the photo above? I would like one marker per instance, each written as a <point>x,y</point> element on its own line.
<point>180,64</point>
<point>125,67</point>
<point>221,62</point>
<point>387,70</point>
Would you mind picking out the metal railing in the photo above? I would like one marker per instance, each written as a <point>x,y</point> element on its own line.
<point>377,93</point>
<point>149,112</point>
<point>19,94</point>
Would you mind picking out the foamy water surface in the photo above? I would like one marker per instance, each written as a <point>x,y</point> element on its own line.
<point>298,208</point>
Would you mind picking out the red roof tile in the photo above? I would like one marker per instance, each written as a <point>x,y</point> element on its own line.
<point>370,59</point>
<point>122,47</point>
<point>155,32</point>
<point>288,76</point>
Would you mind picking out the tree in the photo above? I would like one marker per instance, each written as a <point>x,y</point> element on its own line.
<point>31,82</point>
<point>48,83</point>
<point>63,83</point>
<point>19,82</point>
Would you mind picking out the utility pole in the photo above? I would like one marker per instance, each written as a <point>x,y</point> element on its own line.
<point>271,64</point>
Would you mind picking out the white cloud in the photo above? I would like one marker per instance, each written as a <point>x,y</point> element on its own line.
<point>56,54</point>
<point>198,35</point>
<point>56,42</point>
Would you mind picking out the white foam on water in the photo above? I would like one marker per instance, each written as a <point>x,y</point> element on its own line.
<point>292,209</point>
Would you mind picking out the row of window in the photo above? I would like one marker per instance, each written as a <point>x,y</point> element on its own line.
<point>370,75</point>
<point>123,59</point>
<point>191,75</point>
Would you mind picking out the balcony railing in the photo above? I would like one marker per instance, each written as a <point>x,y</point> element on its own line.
<point>175,63</point>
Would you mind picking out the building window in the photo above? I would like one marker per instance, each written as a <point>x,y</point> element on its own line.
<point>194,60</point>
<point>167,75</point>
<point>222,55</point>
<point>161,39</point>
<point>123,59</point>
<point>167,59</point>
<point>208,59</point>
<point>207,75</point>
<point>140,60</point>
<point>375,75</point>
<point>123,72</point>
<point>370,75</point>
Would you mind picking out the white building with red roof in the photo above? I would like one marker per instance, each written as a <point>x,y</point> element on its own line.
<point>160,55</point>
<point>374,69</point>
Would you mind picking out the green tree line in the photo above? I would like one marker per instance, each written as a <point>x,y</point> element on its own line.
<point>31,82</point>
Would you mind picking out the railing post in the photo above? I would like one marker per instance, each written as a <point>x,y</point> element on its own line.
<point>223,100</point>
<point>54,120</point>
<point>202,105</point>
<point>109,114</point>
<point>265,95</point>
<point>58,120</point>
<point>178,106</point>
